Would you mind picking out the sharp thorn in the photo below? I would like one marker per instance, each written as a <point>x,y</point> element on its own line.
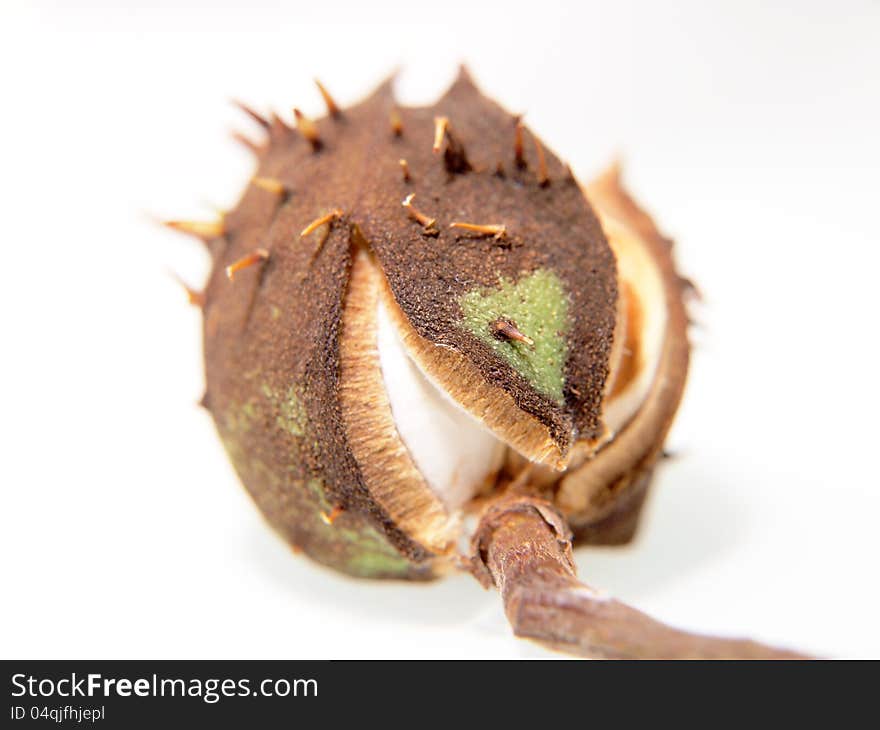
<point>277,126</point>
<point>205,230</point>
<point>255,257</point>
<point>396,123</point>
<point>454,157</point>
<point>543,177</point>
<point>248,143</point>
<point>257,117</point>
<point>308,129</point>
<point>271,185</point>
<point>505,329</point>
<point>422,219</point>
<point>440,126</point>
<point>195,297</point>
<point>498,230</point>
<point>328,518</point>
<point>332,108</point>
<point>318,222</point>
<point>518,153</point>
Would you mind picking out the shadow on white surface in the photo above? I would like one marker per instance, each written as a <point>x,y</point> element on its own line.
<point>691,519</point>
<point>454,600</point>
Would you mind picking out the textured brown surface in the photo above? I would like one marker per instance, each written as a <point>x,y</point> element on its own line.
<point>271,353</point>
<point>547,227</point>
<point>272,335</point>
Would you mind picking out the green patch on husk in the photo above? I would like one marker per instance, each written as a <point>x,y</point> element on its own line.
<point>239,418</point>
<point>377,559</point>
<point>538,305</point>
<point>368,554</point>
<point>357,547</point>
<point>291,413</point>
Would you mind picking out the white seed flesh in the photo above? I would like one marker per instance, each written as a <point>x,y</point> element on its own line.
<point>454,451</point>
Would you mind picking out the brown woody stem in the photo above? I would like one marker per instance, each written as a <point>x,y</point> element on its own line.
<point>523,547</point>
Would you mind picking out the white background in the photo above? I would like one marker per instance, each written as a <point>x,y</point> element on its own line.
<point>752,134</point>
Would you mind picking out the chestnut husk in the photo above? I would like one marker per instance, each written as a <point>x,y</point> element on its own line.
<point>319,236</point>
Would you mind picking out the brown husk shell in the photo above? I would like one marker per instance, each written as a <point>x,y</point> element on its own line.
<point>603,497</point>
<point>272,337</point>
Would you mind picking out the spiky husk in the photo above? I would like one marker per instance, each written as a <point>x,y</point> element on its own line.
<point>273,335</point>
